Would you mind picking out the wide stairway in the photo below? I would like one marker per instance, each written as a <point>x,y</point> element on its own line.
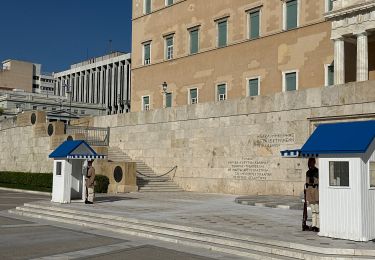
<point>252,247</point>
<point>147,179</point>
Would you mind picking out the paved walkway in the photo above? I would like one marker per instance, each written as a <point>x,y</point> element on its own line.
<point>215,212</point>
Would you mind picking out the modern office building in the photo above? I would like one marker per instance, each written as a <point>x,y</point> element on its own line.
<point>103,80</point>
<point>26,76</point>
<point>213,50</point>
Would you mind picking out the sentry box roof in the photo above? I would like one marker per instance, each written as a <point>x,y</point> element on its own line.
<point>337,138</point>
<point>77,149</point>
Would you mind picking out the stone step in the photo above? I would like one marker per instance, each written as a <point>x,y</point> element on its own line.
<point>245,246</point>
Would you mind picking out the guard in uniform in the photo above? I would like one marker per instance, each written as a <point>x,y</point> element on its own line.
<point>312,192</point>
<point>90,183</point>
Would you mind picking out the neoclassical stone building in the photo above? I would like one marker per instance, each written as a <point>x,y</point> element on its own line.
<point>215,50</point>
<point>353,33</point>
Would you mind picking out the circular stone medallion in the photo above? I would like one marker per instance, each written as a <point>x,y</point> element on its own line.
<point>33,118</point>
<point>117,174</point>
<point>50,129</point>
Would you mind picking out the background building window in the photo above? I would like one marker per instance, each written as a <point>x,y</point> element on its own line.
<point>221,92</point>
<point>291,14</point>
<point>147,6</point>
<point>194,41</point>
<point>146,103</point>
<point>169,47</point>
<point>339,173</point>
<point>290,81</point>
<point>193,96</point>
<point>222,33</point>
<point>372,174</point>
<point>254,87</point>
<point>146,53</point>
<point>168,99</point>
<point>254,26</point>
<point>329,5</point>
<point>168,2</point>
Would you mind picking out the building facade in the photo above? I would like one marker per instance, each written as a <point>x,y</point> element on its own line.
<point>103,80</point>
<point>210,51</point>
<point>26,76</point>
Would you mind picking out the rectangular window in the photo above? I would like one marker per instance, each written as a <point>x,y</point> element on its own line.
<point>193,96</point>
<point>291,13</point>
<point>194,41</point>
<point>58,168</point>
<point>168,99</point>
<point>254,26</point>
<point>169,47</point>
<point>146,53</point>
<point>290,81</point>
<point>146,103</point>
<point>222,27</point>
<point>35,107</point>
<point>147,6</point>
<point>168,2</point>
<point>339,173</point>
<point>221,92</point>
<point>254,87</point>
<point>372,174</point>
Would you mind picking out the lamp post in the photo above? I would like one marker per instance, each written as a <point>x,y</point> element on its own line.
<point>68,91</point>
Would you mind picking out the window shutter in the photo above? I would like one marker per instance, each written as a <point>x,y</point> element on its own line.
<point>291,13</point>
<point>168,99</point>
<point>221,89</point>
<point>330,75</point>
<point>169,41</point>
<point>291,81</point>
<point>330,5</point>
<point>253,87</point>
<point>147,6</point>
<point>147,51</point>
<point>254,25</point>
<point>222,33</point>
<point>194,41</point>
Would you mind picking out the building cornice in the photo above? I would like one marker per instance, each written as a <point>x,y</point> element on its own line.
<point>350,10</point>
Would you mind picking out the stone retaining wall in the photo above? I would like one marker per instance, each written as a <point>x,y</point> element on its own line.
<point>234,146</point>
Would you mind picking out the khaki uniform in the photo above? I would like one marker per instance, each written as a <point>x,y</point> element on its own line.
<point>90,183</point>
<point>312,194</point>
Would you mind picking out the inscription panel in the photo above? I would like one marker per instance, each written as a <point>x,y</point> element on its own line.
<point>274,140</point>
<point>249,169</point>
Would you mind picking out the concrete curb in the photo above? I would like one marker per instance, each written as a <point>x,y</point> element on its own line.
<point>27,191</point>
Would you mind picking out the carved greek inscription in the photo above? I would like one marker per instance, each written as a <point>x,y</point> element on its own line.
<point>248,169</point>
<point>274,140</point>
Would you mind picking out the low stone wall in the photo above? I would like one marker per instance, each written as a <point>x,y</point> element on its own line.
<point>25,151</point>
<point>234,146</point>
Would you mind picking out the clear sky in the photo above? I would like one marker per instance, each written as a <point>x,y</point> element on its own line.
<point>57,33</point>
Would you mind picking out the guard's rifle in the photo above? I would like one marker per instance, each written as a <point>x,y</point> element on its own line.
<point>304,217</point>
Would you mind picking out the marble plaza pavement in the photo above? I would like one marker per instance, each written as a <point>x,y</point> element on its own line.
<point>212,221</point>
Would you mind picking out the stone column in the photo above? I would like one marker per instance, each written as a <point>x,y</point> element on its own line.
<point>362,56</point>
<point>339,61</point>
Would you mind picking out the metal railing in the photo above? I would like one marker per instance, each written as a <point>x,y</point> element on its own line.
<point>95,136</point>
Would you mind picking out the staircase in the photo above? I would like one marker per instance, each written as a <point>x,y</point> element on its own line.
<point>230,243</point>
<point>147,179</point>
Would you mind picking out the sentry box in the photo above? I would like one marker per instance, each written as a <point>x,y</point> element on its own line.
<point>347,178</point>
<point>68,172</point>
